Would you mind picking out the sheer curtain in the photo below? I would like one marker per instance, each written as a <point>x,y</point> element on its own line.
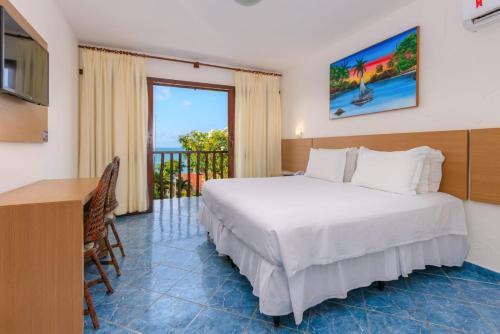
<point>113,121</point>
<point>257,125</point>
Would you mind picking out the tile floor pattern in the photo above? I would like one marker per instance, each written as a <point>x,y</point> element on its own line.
<point>174,282</point>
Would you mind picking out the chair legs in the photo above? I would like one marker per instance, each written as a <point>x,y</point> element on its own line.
<point>88,298</point>
<point>90,306</point>
<point>117,237</point>
<point>104,278</point>
<point>113,261</point>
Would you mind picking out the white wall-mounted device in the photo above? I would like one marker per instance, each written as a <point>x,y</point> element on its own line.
<point>480,13</point>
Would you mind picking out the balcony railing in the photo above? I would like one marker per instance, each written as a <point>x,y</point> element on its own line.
<point>182,173</point>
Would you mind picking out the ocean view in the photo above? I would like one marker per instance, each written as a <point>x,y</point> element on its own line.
<point>169,149</point>
<point>157,157</point>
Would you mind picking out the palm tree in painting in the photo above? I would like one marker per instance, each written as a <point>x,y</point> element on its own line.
<point>359,69</point>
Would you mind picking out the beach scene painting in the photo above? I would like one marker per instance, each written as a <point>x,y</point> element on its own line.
<point>380,78</point>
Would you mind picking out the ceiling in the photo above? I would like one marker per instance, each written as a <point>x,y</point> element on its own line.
<point>272,35</point>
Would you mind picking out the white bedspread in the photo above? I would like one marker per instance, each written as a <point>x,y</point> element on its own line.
<point>297,222</point>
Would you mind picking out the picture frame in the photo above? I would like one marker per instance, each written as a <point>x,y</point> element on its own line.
<point>382,77</point>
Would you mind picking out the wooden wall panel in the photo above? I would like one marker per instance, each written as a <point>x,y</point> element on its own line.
<point>21,121</point>
<point>485,165</point>
<point>295,154</point>
<point>453,144</point>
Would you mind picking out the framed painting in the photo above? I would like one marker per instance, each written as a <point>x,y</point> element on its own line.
<point>380,78</point>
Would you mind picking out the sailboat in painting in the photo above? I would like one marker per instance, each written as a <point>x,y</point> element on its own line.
<point>365,95</point>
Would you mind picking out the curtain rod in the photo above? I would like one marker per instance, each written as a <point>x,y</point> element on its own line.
<point>195,64</point>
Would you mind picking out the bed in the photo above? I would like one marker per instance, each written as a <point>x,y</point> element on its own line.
<point>301,240</point>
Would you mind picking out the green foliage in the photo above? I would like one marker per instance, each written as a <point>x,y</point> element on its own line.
<point>338,77</point>
<point>166,180</point>
<point>213,140</point>
<point>197,142</point>
<point>405,56</point>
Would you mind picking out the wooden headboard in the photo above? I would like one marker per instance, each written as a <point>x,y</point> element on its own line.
<point>485,165</point>
<point>453,144</point>
<point>295,153</point>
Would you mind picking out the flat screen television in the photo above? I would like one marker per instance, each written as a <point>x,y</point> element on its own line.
<point>24,63</point>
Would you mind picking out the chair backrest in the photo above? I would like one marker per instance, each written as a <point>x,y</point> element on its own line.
<point>94,227</point>
<point>111,202</point>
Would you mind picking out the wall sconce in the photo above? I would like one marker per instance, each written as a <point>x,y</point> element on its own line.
<point>299,132</point>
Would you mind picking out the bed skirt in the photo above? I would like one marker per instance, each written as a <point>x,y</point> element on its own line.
<point>281,295</point>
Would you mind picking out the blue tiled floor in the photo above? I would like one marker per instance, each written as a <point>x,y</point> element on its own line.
<point>174,282</point>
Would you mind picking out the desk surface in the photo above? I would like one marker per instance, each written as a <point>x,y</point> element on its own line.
<point>51,191</point>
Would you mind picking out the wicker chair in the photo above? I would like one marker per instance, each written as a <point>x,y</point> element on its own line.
<point>94,230</point>
<point>112,204</point>
<point>105,247</point>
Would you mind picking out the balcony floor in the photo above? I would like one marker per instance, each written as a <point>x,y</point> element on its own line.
<point>174,282</point>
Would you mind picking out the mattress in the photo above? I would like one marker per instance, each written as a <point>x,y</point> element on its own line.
<point>298,222</point>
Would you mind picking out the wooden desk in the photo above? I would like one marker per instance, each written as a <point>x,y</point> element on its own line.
<point>41,261</point>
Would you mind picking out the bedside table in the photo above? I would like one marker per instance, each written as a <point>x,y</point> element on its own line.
<point>287,173</point>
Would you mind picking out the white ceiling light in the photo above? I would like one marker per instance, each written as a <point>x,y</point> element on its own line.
<point>247,2</point>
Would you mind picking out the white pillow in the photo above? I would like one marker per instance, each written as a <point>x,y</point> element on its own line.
<point>326,164</point>
<point>436,170</point>
<point>350,162</point>
<point>423,183</point>
<point>397,171</point>
<point>430,178</point>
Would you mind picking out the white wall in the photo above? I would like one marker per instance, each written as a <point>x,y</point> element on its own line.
<point>459,89</point>
<point>185,72</point>
<point>26,163</point>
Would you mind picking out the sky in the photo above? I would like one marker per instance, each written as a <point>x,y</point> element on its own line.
<point>377,54</point>
<point>179,110</point>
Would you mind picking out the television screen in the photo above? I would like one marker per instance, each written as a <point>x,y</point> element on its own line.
<point>25,63</point>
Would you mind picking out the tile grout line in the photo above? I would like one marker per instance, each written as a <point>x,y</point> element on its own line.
<point>120,326</point>
<point>487,321</point>
<point>145,310</point>
<point>367,310</point>
<point>426,321</point>
<point>208,306</point>
<point>446,297</point>
<point>192,320</point>
<point>451,278</point>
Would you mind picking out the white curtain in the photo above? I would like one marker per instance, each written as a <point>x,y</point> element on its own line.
<point>113,121</point>
<point>257,125</point>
